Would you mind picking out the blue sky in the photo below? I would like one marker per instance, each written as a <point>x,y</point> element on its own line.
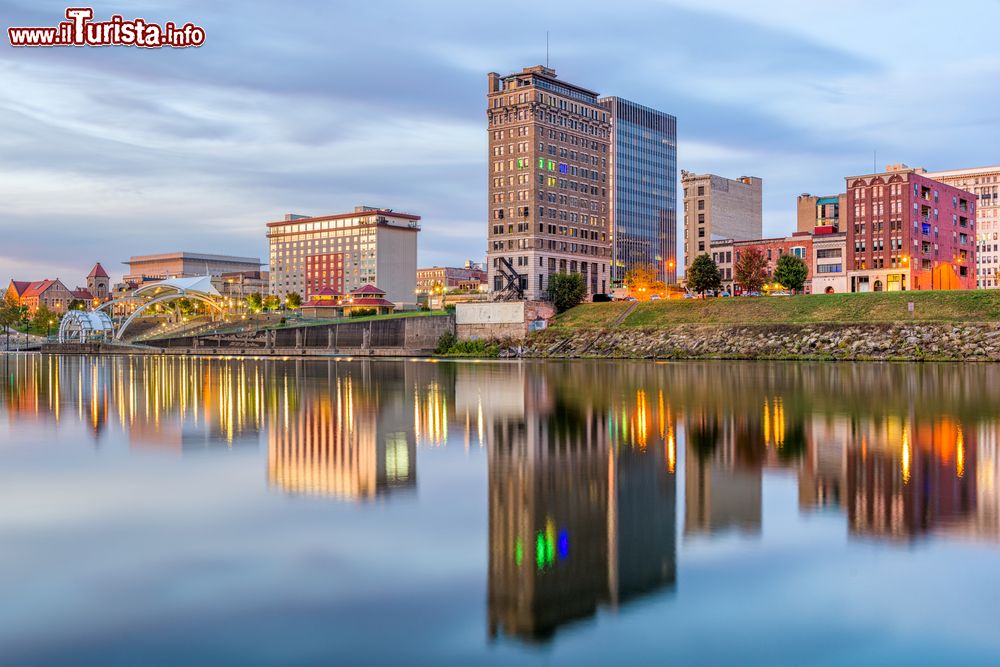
<point>313,107</point>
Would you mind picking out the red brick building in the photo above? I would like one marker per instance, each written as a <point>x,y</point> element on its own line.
<point>907,231</point>
<point>727,254</point>
<point>52,294</point>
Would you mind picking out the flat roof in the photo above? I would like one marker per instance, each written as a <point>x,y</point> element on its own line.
<point>537,70</point>
<point>971,171</point>
<point>195,256</point>
<point>341,216</point>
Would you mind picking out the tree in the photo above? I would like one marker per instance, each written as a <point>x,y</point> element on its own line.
<point>566,290</point>
<point>642,281</point>
<point>293,300</point>
<point>77,304</point>
<point>791,272</point>
<point>184,306</point>
<point>43,319</point>
<point>750,270</point>
<point>271,302</point>
<point>703,275</point>
<point>255,302</point>
<point>11,313</point>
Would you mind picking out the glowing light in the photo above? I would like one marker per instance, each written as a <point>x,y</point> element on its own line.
<point>518,552</point>
<point>960,455</point>
<point>563,545</point>
<point>905,463</point>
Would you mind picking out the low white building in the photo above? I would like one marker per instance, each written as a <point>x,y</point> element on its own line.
<point>829,274</point>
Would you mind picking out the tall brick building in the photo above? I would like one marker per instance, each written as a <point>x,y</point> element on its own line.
<point>908,231</point>
<point>548,182</point>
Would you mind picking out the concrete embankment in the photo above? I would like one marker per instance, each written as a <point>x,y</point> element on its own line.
<point>923,341</point>
<point>402,336</point>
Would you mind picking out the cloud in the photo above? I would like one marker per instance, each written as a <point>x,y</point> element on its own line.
<point>316,107</point>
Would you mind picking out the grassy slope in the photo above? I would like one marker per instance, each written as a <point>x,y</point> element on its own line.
<point>952,306</point>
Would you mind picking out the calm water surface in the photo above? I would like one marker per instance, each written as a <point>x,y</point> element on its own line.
<point>227,511</point>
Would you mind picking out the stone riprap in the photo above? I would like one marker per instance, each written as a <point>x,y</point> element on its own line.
<point>903,341</point>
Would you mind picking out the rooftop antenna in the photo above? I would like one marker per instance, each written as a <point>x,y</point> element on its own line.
<point>875,162</point>
<point>546,49</point>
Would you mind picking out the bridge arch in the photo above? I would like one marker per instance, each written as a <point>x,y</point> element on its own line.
<point>160,299</point>
<point>198,288</point>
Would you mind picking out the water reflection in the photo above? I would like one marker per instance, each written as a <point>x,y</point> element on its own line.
<point>580,514</point>
<point>581,459</point>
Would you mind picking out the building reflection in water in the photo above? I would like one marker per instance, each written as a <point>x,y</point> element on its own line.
<point>352,438</point>
<point>581,500</point>
<point>159,402</point>
<point>582,457</point>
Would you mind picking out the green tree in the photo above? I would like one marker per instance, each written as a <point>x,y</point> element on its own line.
<point>566,290</point>
<point>791,272</point>
<point>293,300</point>
<point>642,281</point>
<point>750,270</point>
<point>184,306</point>
<point>703,275</point>
<point>11,314</point>
<point>77,304</point>
<point>271,302</point>
<point>44,319</point>
<point>255,302</point>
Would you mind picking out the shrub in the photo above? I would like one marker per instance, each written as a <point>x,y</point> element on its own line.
<point>449,345</point>
<point>445,342</point>
<point>363,312</point>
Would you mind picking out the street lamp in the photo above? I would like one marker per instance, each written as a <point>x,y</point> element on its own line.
<point>48,329</point>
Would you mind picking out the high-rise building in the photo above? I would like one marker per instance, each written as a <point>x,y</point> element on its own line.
<point>548,183</point>
<point>908,231</point>
<point>984,183</point>
<point>824,212</point>
<point>719,208</point>
<point>370,246</point>
<point>643,173</point>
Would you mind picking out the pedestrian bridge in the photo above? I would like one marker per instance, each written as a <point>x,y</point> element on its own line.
<point>98,324</point>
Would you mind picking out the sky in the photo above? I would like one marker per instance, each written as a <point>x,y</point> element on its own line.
<point>315,107</point>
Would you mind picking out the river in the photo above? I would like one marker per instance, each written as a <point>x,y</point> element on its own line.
<point>263,511</point>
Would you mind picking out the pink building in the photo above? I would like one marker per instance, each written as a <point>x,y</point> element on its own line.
<point>907,231</point>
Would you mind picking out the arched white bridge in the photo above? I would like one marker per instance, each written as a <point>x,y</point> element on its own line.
<point>197,288</point>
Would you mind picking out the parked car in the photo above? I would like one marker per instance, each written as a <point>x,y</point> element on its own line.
<point>655,297</point>
<point>602,298</point>
<point>724,294</point>
<point>629,298</point>
<point>688,295</point>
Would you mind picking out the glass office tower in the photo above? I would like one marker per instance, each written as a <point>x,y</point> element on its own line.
<point>643,197</point>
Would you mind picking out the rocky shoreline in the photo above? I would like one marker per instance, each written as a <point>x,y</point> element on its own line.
<point>976,341</point>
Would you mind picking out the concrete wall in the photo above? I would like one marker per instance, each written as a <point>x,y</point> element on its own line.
<point>405,335</point>
<point>499,319</point>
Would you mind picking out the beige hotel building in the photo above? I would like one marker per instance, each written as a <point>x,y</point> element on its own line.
<point>370,246</point>
<point>984,183</point>
<point>548,181</point>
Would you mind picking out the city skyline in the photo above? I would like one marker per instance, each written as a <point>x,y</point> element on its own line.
<point>121,151</point>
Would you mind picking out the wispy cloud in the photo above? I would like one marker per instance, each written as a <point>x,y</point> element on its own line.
<point>314,107</point>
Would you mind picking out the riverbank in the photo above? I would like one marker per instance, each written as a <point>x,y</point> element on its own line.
<point>941,326</point>
<point>823,342</point>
